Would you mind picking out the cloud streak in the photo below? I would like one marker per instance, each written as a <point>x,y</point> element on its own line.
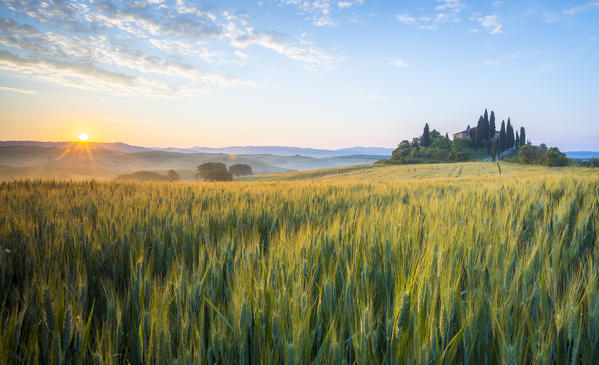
<point>446,11</point>
<point>16,90</point>
<point>321,12</point>
<point>153,46</point>
<point>593,5</point>
<point>491,23</point>
<point>398,63</point>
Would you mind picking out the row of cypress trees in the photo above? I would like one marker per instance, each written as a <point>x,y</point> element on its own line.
<point>485,134</point>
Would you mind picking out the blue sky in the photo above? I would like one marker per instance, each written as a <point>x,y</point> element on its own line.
<point>290,72</point>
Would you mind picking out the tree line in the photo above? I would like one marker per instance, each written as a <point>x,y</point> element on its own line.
<point>218,171</point>
<point>485,135</point>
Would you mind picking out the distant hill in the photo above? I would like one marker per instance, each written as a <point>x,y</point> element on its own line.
<point>237,150</point>
<point>292,151</point>
<point>582,154</point>
<point>83,161</point>
<point>111,146</point>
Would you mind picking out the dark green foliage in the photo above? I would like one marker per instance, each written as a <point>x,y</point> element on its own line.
<point>503,144</point>
<point>541,155</point>
<point>460,150</point>
<point>509,131</point>
<point>440,149</point>
<point>522,136</point>
<point>492,127</point>
<point>484,139</point>
<point>240,170</point>
<point>532,155</point>
<point>494,149</point>
<point>425,140</point>
<point>594,162</point>
<point>472,134</point>
<point>479,134</point>
<point>214,171</point>
<point>556,158</point>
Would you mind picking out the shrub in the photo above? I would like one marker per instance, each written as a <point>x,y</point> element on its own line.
<point>172,175</point>
<point>530,154</point>
<point>240,170</point>
<point>214,171</point>
<point>556,158</point>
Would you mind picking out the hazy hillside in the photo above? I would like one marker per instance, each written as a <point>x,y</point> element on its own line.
<point>241,150</point>
<point>79,161</point>
<point>582,154</point>
<point>291,151</point>
<point>112,146</point>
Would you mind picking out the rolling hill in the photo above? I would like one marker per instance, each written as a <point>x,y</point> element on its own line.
<point>90,160</point>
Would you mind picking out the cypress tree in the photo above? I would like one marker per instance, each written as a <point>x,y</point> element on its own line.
<point>509,130</point>
<point>425,140</point>
<point>492,128</point>
<point>471,134</point>
<point>479,135</point>
<point>522,136</point>
<point>502,138</point>
<point>517,140</point>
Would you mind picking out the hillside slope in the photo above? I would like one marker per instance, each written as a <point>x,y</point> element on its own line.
<point>463,170</point>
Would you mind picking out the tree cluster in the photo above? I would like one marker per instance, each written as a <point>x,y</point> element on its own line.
<point>593,162</point>
<point>431,147</point>
<point>218,171</point>
<point>240,170</point>
<point>541,155</point>
<point>485,135</point>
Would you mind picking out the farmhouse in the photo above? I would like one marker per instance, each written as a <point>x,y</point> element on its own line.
<point>465,133</point>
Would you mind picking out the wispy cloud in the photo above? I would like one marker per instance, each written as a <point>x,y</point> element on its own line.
<point>593,5</point>
<point>406,19</point>
<point>398,63</point>
<point>312,56</point>
<point>152,46</point>
<point>15,90</point>
<point>547,67</point>
<point>507,57</point>
<point>447,11</point>
<point>490,22</point>
<point>551,17</point>
<point>322,12</point>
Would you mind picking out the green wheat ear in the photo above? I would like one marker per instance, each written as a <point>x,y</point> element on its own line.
<point>404,313</point>
<point>498,167</point>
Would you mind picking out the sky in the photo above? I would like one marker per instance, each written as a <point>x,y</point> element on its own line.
<point>320,73</point>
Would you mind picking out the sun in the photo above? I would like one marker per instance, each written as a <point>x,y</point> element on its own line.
<point>83,137</point>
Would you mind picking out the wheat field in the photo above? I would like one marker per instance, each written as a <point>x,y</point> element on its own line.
<point>395,264</point>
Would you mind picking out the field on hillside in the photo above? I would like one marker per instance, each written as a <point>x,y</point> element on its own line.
<point>395,173</point>
<point>393,264</point>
